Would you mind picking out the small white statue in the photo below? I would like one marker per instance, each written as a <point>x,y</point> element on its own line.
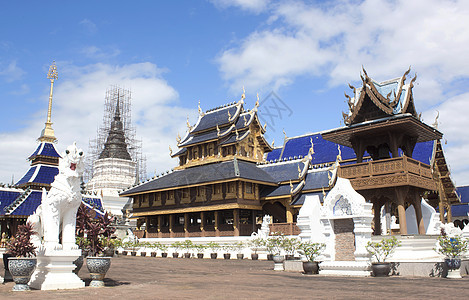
<point>58,210</point>
<point>265,229</point>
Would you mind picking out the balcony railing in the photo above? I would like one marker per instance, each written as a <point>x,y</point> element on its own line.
<point>285,228</point>
<point>399,171</point>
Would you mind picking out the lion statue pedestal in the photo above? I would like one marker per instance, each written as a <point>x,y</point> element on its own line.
<point>57,213</point>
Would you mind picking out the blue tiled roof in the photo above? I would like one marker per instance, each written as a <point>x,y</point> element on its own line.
<point>281,190</point>
<point>46,174</point>
<point>326,151</point>
<point>463,192</point>
<point>29,206</point>
<point>6,198</point>
<point>49,150</point>
<point>27,176</point>
<point>93,203</point>
<point>283,171</point>
<point>300,199</point>
<point>199,138</point>
<point>211,119</point>
<point>46,149</point>
<point>316,180</point>
<point>461,210</point>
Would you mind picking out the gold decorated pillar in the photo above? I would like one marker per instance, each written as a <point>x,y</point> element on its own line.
<point>186,225</point>
<point>202,223</point>
<point>217,223</point>
<point>236,222</point>
<point>171,225</point>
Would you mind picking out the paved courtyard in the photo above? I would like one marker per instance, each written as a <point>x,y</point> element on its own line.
<point>168,278</point>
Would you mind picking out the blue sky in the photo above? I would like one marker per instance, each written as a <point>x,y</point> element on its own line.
<point>173,54</point>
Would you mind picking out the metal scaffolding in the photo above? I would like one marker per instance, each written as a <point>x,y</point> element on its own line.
<point>134,145</point>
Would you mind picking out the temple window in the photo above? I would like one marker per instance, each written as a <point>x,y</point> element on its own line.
<point>185,193</point>
<point>196,153</point>
<point>210,150</point>
<point>217,189</point>
<point>248,186</point>
<point>231,187</point>
<point>171,195</point>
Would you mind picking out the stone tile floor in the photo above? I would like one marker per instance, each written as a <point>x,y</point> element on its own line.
<point>168,278</point>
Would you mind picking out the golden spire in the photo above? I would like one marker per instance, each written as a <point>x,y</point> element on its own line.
<point>47,134</point>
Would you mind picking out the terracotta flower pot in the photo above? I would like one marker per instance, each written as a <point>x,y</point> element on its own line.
<point>254,256</point>
<point>227,255</point>
<point>200,255</point>
<point>187,255</point>
<point>98,267</point>
<point>133,253</point>
<point>21,269</point>
<point>240,256</point>
<point>143,254</point>
<point>175,255</point>
<point>124,252</point>
<point>164,254</point>
<point>213,255</point>
<point>153,254</point>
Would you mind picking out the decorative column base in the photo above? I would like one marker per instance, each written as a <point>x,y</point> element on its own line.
<point>347,268</point>
<point>454,274</point>
<point>54,270</point>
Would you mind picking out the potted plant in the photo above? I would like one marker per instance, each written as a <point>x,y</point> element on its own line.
<point>96,230</point>
<point>239,247</point>
<point>110,245</point>
<point>143,245</point>
<point>22,263</point>
<point>214,248</point>
<point>163,248</point>
<point>277,242</point>
<point>380,251</point>
<point>227,251</point>
<point>133,245</point>
<point>290,245</point>
<point>311,250</point>
<point>200,248</point>
<point>452,247</point>
<point>269,246</point>
<point>154,246</point>
<point>255,245</point>
<point>187,245</point>
<point>176,246</point>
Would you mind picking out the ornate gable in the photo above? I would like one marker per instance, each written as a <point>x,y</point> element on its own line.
<point>375,100</point>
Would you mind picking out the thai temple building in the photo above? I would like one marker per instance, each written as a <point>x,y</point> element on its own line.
<point>114,169</point>
<point>228,176</point>
<point>19,201</point>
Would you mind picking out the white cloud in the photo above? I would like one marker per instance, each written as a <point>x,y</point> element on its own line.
<point>334,39</point>
<point>255,6</point>
<point>11,72</point>
<point>89,26</point>
<point>99,53</point>
<point>78,110</point>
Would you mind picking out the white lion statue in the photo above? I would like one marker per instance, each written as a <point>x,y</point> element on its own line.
<point>265,229</point>
<point>58,210</point>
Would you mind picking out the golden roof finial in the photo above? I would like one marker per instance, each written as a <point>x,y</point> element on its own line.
<point>47,134</point>
<point>170,150</point>
<point>284,133</point>
<point>229,115</point>
<point>188,124</point>
<point>339,156</point>
<point>201,112</point>
<point>218,130</point>
<point>291,187</point>
<point>323,192</point>
<point>257,101</point>
<point>243,96</point>
<point>273,142</point>
<point>311,150</point>
<point>178,138</point>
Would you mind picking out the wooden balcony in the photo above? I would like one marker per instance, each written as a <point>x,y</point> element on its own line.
<point>392,172</point>
<point>285,228</point>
